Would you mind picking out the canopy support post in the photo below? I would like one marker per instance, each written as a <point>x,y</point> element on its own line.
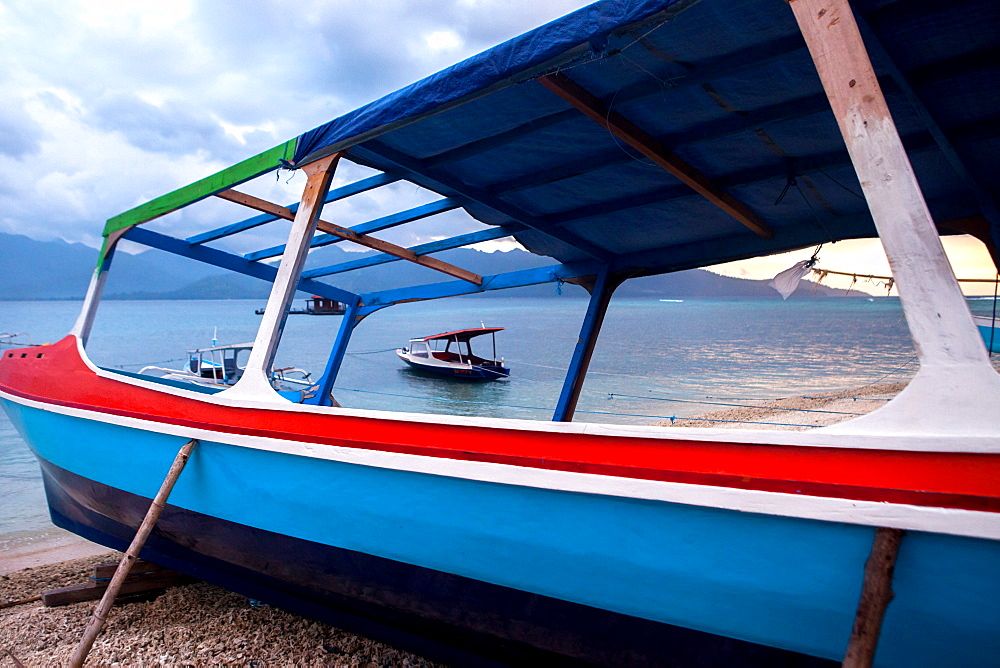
<point>956,390</point>
<point>600,297</point>
<point>324,390</point>
<point>255,382</point>
<point>85,321</point>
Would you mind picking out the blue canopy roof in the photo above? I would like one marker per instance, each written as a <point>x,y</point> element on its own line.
<point>727,87</point>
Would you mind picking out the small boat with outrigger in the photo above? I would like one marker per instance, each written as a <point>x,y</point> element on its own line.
<point>222,366</point>
<point>425,355</point>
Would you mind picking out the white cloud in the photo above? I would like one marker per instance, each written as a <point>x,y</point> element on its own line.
<point>443,40</point>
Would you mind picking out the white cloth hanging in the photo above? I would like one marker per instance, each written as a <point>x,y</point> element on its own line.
<point>786,282</point>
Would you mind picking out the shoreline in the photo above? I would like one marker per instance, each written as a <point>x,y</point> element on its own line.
<point>58,546</point>
<point>796,413</point>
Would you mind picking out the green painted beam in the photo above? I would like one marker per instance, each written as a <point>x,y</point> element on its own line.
<point>206,187</point>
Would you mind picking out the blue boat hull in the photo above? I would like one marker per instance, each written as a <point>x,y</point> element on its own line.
<point>485,372</point>
<point>991,337</point>
<point>436,614</point>
<point>312,534</point>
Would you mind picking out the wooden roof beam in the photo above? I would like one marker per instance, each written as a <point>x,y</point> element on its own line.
<point>622,128</point>
<point>349,235</point>
<point>745,59</point>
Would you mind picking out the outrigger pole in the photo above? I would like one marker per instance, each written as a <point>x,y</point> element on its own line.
<point>955,386</point>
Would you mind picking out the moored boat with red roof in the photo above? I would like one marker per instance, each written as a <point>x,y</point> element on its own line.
<point>456,360</point>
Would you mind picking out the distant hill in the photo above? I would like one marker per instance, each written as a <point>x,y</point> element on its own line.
<point>59,270</point>
<point>32,269</point>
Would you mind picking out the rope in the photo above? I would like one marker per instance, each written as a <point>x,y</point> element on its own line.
<point>482,368</point>
<point>612,395</point>
<point>884,376</point>
<point>773,424</point>
<point>442,399</point>
<point>590,372</point>
<point>122,366</point>
<point>9,339</point>
<point>993,329</point>
<point>540,408</point>
<point>850,190</point>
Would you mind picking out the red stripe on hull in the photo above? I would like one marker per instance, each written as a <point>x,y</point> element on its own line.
<point>933,479</point>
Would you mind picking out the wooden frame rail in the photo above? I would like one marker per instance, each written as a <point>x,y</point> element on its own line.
<point>350,235</point>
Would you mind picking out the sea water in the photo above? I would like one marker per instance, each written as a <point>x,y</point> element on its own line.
<point>654,360</point>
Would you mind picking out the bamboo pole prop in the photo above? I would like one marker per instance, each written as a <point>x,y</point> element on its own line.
<point>100,615</point>
<point>876,593</point>
<point>11,604</point>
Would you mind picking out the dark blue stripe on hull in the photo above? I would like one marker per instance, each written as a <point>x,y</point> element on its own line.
<point>481,373</point>
<point>435,614</point>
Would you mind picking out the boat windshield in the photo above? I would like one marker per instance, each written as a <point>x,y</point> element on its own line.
<point>221,363</point>
<point>462,348</point>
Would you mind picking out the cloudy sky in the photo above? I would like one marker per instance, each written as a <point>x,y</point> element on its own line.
<point>105,104</point>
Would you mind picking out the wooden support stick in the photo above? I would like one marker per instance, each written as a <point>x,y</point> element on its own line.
<point>11,604</point>
<point>876,592</point>
<point>13,658</point>
<point>100,616</point>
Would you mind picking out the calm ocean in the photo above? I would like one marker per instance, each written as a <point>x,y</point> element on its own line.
<point>657,358</point>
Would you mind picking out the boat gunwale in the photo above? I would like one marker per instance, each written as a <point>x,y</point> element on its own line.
<point>945,443</point>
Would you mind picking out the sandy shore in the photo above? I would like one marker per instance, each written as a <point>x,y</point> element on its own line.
<point>61,546</point>
<point>796,413</point>
<point>200,624</point>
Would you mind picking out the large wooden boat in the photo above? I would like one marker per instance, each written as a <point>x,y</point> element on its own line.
<point>630,138</point>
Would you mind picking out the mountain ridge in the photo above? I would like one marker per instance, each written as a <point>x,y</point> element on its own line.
<point>61,270</point>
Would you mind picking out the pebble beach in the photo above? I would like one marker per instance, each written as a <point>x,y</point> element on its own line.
<point>200,624</point>
<point>193,625</point>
